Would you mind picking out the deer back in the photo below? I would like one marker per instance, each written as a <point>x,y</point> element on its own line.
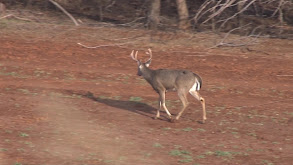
<point>172,79</point>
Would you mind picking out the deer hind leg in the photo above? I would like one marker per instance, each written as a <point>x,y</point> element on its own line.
<point>158,110</point>
<point>163,103</point>
<point>195,94</point>
<point>183,98</point>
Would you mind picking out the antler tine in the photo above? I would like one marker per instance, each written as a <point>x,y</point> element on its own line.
<point>132,55</point>
<point>136,55</point>
<point>150,53</point>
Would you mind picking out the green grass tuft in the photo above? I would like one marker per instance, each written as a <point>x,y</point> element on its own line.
<point>136,99</point>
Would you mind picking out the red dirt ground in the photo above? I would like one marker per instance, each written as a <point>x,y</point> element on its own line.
<point>65,104</point>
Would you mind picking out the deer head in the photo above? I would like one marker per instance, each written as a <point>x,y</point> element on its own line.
<point>142,66</point>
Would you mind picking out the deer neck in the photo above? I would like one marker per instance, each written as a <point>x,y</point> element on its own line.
<point>148,74</point>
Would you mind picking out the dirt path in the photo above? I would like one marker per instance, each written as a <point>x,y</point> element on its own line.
<point>64,104</point>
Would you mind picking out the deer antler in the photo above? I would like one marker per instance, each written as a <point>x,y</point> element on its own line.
<point>149,53</point>
<point>132,55</point>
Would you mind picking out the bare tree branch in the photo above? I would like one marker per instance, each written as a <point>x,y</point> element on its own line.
<point>241,11</point>
<point>199,13</point>
<point>64,11</point>
<point>218,12</point>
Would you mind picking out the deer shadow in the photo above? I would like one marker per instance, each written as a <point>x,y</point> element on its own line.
<point>132,106</point>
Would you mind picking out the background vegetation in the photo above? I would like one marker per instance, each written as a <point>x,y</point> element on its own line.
<point>273,18</point>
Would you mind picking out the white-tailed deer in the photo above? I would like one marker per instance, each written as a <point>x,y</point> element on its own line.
<point>163,80</point>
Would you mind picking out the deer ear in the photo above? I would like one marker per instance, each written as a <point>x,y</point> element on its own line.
<point>138,62</point>
<point>147,64</point>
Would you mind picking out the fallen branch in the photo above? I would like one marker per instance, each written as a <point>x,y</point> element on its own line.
<point>64,11</point>
<point>119,44</point>
<point>129,23</point>
<point>99,46</point>
<point>241,39</point>
<point>284,75</point>
<point>202,54</point>
<point>129,38</point>
<point>257,51</point>
<point>11,15</point>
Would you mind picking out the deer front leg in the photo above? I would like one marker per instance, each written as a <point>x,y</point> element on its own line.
<point>162,101</point>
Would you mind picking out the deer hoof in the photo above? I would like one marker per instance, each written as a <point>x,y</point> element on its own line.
<point>201,122</point>
<point>172,120</point>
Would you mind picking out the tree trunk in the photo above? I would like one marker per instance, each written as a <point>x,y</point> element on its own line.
<point>281,16</point>
<point>28,4</point>
<point>240,16</point>
<point>213,19</point>
<point>183,15</point>
<point>154,17</point>
<point>2,9</point>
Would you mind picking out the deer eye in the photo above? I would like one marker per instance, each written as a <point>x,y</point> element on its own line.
<point>140,66</point>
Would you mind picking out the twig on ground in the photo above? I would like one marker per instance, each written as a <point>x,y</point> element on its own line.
<point>12,15</point>
<point>203,54</point>
<point>241,39</point>
<point>284,75</point>
<point>99,46</point>
<point>64,11</point>
<point>119,39</point>
<point>118,44</point>
<point>129,23</point>
<point>258,51</point>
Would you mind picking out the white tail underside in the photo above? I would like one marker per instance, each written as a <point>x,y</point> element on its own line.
<point>196,86</point>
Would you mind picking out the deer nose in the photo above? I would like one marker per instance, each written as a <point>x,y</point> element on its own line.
<point>139,72</point>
